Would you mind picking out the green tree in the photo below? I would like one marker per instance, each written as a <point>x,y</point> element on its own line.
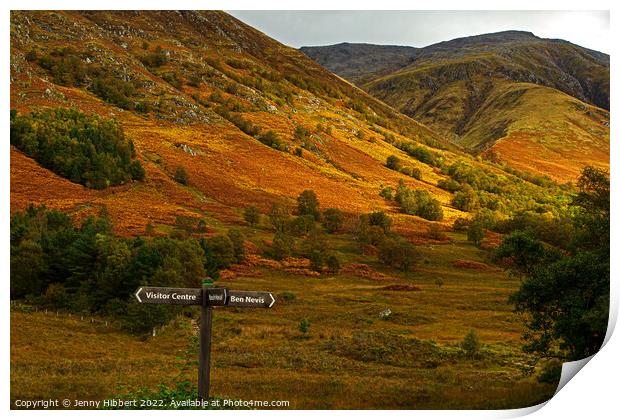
<point>332,219</point>
<point>565,295</point>
<point>475,233</point>
<point>418,202</point>
<point>251,214</point>
<point>380,219</point>
<point>27,265</point>
<point>279,216</point>
<point>301,225</point>
<point>466,199</point>
<point>308,203</point>
<point>397,252</point>
<point>219,252</point>
<point>238,241</point>
<point>88,150</point>
<point>317,260</point>
<point>282,246</point>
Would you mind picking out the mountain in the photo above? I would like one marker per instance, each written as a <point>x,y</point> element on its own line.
<point>360,63</point>
<point>249,119</point>
<point>497,92</point>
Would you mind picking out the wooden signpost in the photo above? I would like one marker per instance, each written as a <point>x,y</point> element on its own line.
<point>207,298</point>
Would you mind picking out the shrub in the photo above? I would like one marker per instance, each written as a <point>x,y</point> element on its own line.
<point>304,326</point>
<point>114,91</point>
<point>271,139</point>
<point>65,66</point>
<point>332,219</point>
<point>448,184</point>
<point>333,264</point>
<point>180,175</point>
<point>372,235</point>
<point>471,344</point>
<point>380,219</point>
<point>31,55</point>
<point>434,232</point>
<point>301,225</point>
<point>27,265</point>
<point>422,154</point>
<point>301,132</point>
<point>194,80</point>
<point>317,259</point>
<point>245,126</point>
<point>251,214</point>
<point>137,171</point>
<point>461,224</point>
<point>551,372</point>
<point>393,162</point>
<point>387,193</point>
<point>56,295</point>
<point>142,107</point>
<point>155,59</point>
<point>288,296</point>
<point>173,79</point>
<point>141,319</point>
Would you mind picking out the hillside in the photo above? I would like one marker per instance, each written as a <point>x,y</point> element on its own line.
<point>473,91</point>
<point>185,71</point>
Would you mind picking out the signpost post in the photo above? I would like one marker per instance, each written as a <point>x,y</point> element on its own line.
<point>207,297</point>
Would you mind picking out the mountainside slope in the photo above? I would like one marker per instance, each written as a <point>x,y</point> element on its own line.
<point>202,90</point>
<point>466,89</point>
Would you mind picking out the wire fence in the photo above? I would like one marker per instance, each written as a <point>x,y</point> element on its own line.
<point>63,313</point>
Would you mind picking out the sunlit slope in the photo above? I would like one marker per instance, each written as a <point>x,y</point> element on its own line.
<point>184,110</point>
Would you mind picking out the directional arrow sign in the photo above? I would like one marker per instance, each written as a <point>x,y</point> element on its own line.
<point>250,299</point>
<point>169,295</point>
<point>206,298</point>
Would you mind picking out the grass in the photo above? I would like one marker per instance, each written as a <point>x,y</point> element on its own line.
<point>351,357</point>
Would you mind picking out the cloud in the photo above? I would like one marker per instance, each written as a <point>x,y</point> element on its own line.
<point>421,28</point>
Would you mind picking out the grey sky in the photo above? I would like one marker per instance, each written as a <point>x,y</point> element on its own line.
<point>421,28</point>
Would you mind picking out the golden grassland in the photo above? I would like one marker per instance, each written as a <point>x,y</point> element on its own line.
<point>349,358</point>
